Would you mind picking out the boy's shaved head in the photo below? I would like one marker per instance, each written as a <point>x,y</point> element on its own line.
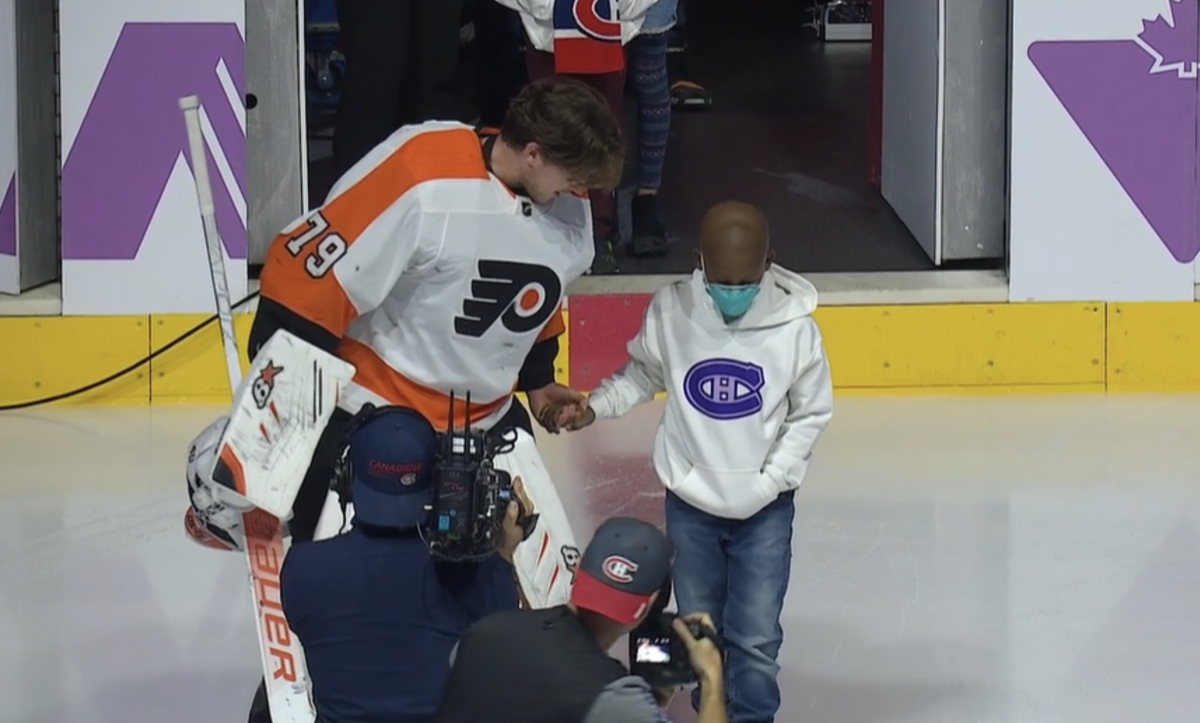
<point>735,244</point>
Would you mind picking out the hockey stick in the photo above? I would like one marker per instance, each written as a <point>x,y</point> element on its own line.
<point>283,664</point>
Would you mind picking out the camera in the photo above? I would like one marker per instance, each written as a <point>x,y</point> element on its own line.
<point>471,496</point>
<point>656,652</point>
<point>659,656</point>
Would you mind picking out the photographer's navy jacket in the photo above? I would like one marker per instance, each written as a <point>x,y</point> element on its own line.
<point>378,620</point>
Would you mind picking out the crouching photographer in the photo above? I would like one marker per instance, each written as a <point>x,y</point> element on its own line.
<point>552,665</point>
<point>377,612</point>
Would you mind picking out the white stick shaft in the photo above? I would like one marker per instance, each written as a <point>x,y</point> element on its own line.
<point>292,706</point>
<point>216,261</point>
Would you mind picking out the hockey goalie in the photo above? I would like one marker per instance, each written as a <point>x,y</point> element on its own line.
<point>245,469</point>
<point>437,266</point>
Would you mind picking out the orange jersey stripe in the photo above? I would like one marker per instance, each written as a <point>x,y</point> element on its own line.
<point>296,271</point>
<point>554,327</point>
<point>374,375</point>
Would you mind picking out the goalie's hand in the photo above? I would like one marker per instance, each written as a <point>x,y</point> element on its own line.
<point>555,406</point>
<point>519,520</point>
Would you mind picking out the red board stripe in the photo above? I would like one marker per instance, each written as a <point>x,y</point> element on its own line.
<point>601,327</point>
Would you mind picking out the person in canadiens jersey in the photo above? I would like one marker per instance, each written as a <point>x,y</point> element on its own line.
<point>748,388</point>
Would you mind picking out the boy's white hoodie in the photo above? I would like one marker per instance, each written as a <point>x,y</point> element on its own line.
<point>538,18</point>
<point>746,401</point>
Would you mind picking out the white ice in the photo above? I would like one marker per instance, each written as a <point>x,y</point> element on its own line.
<point>963,560</point>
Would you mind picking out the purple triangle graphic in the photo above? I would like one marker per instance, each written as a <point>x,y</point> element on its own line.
<point>1143,125</point>
<point>133,134</point>
<point>8,219</point>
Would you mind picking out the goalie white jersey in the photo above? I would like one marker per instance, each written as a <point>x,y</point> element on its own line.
<point>437,279</point>
<point>434,275</point>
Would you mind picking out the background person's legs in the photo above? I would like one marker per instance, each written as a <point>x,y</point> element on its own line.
<point>648,68</point>
<point>374,38</point>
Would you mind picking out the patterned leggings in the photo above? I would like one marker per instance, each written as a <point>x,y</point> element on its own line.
<point>647,57</point>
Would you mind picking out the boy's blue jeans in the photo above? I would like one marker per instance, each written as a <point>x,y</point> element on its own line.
<point>737,571</point>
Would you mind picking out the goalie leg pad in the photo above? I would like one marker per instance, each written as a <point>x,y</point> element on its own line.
<point>546,562</point>
<point>279,413</point>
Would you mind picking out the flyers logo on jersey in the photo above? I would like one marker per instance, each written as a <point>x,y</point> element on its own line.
<point>520,296</point>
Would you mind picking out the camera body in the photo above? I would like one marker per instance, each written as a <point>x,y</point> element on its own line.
<point>471,496</point>
<point>659,656</point>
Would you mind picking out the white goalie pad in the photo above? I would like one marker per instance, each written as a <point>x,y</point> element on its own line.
<point>546,562</point>
<point>279,412</point>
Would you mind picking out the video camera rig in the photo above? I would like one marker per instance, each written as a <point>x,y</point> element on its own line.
<point>470,495</point>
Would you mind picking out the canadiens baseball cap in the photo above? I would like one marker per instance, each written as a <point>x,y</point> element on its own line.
<point>392,455</point>
<point>624,565</point>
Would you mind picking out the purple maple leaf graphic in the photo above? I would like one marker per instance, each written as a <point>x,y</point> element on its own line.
<point>1173,41</point>
<point>1141,119</point>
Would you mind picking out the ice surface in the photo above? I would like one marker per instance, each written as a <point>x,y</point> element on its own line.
<point>999,560</point>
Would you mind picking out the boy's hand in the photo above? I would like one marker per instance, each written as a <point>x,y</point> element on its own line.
<point>587,417</point>
<point>555,406</point>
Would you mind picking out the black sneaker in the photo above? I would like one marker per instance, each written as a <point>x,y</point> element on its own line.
<point>605,263</point>
<point>649,232</point>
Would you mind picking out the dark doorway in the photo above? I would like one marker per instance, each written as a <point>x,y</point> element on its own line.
<point>789,130</point>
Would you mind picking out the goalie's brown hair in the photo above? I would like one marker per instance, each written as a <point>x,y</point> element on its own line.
<point>573,126</point>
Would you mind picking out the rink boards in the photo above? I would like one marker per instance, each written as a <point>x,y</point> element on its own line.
<point>873,349</point>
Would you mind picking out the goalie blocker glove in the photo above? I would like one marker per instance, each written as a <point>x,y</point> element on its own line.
<point>210,521</point>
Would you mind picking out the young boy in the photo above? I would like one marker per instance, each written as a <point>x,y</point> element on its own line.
<point>749,393</point>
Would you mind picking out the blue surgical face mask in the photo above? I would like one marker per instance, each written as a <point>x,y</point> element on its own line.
<point>733,301</point>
